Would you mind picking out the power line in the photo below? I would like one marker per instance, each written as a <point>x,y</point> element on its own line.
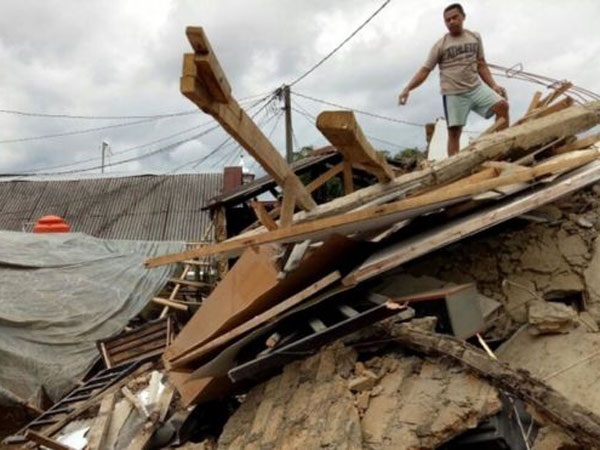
<point>332,52</point>
<point>121,152</point>
<point>367,113</point>
<point>92,117</point>
<point>111,117</point>
<point>83,131</point>
<point>311,118</point>
<point>196,162</point>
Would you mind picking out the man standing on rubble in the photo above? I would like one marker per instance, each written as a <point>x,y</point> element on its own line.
<point>462,67</point>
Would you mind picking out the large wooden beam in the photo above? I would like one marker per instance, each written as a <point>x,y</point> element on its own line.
<point>204,83</point>
<point>379,215</point>
<point>343,131</point>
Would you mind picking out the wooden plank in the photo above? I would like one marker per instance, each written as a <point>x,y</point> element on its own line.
<point>578,144</point>
<point>120,415</point>
<point>351,220</point>
<point>253,275</point>
<point>213,77</point>
<point>262,215</point>
<point>287,205</point>
<point>195,353</point>
<point>348,178</point>
<point>546,111</point>
<point>343,131</point>
<point>135,402</point>
<point>563,88</point>
<point>170,303</point>
<point>324,177</point>
<point>158,335</point>
<point>534,102</point>
<point>139,351</point>
<point>141,440</point>
<point>208,91</point>
<point>423,243</point>
<point>40,439</point>
<point>98,433</point>
<point>137,333</point>
<point>500,145</point>
<point>198,40</point>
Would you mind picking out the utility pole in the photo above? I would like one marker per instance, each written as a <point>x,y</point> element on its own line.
<point>287,106</point>
<point>105,146</point>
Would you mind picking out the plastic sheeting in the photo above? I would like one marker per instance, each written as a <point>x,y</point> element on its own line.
<point>59,294</point>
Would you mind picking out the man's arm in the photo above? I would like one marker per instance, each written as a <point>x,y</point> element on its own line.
<point>414,83</point>
<point>486,76</point>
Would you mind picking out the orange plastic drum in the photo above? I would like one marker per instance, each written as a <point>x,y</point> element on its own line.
<point>51,224</point>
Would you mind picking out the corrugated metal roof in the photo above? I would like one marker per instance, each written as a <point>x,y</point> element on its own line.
<point>148,207</point>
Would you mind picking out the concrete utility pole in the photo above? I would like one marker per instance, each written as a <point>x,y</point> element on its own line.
<point>287,106</point>
<point>105,146</point>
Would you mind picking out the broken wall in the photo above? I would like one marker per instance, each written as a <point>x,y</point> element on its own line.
<point>519,264</point>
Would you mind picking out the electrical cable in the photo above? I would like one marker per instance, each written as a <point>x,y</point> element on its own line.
<point>332,52</point>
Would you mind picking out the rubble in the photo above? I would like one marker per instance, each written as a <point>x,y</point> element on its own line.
<point>349,322</point>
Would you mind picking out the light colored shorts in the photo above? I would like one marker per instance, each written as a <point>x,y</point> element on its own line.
<point>480,100</point>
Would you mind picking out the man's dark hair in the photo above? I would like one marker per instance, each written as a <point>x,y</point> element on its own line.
<point>455,6</point>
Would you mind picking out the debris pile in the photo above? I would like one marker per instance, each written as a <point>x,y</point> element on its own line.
<point>452,306</point>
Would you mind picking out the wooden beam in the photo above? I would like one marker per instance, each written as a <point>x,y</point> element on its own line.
<point>194,353</point>
<point>564,87</point>
<point>98,432</point>
<point>209,90</point>
<point>343,131</point>
<point>349,222</point>
<point>547,110</point>
<point>578,144</point>
<point>324,178</point>
<point>348,178</point>
<point>287,204</point>
<point>40,439</point>
<point>534,102</point>
<point>262,214</point>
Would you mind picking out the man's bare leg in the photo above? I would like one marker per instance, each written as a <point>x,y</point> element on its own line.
<point>454,140</point>
<point>501,110</point>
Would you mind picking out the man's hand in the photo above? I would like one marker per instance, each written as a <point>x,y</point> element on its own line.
<point>500,91</point>
<point>403,98</point>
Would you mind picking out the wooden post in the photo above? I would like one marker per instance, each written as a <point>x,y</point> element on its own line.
<point>343,131</point>
<point>221,235</point>
<point>204,83</point>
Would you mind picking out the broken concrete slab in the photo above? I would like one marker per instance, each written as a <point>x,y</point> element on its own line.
<point>550,318</point>
<point>307,406</point>
<point>409,403</point>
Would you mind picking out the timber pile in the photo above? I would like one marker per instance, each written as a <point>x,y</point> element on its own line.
<point>298,284</point>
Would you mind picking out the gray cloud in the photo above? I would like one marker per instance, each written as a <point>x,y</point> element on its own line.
<point>123,58</point>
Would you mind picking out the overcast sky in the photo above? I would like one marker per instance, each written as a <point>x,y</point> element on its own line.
<point>123,58</point>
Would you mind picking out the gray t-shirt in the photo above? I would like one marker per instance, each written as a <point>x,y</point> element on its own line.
<point>457,57</point>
